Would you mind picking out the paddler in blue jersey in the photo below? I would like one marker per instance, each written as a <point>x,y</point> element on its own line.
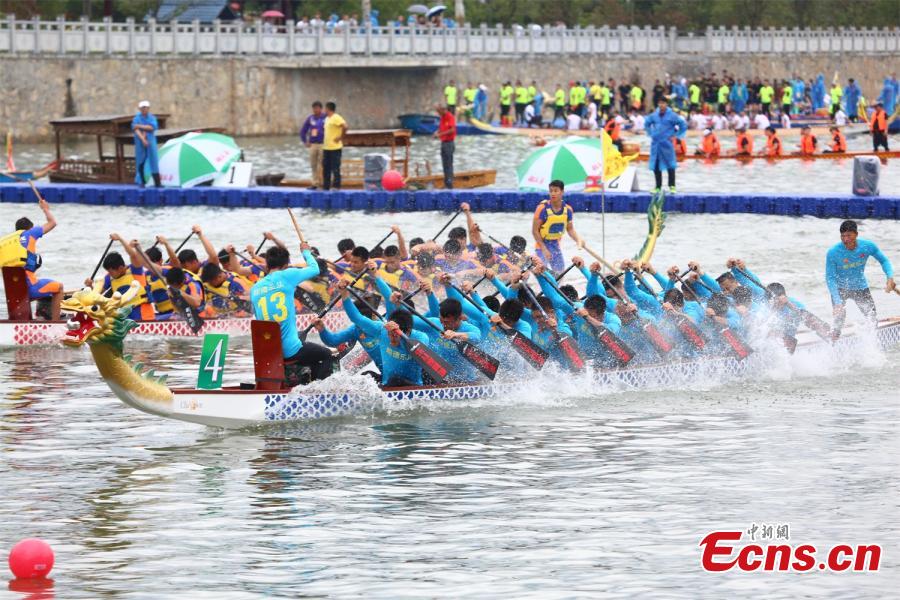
<point>662,126</point>
<point>272,298</point>
<point>398,367</point>
<point>552,219</point>
<point>845,266</point>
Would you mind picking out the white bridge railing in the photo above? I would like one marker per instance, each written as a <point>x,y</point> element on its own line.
<point>61,37</point>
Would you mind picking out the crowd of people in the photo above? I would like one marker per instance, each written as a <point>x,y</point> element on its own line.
<point>620,320</point>
<point>710,100</point>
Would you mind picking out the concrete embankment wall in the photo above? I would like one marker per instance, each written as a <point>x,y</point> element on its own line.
<point>261,95</point>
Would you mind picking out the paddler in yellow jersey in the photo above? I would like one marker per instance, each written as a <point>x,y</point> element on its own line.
<point>552,219</point>
<point>157,290</point>
<point>119,277</point>
<point>227,293</point>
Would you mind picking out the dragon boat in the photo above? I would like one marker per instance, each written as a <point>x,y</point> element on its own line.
<point>102,324</point>
<point>883,156</point>
<point>22,329</point>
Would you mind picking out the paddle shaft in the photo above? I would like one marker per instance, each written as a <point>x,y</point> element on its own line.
<point>446,225</point>
<point>261,244</point>
<point>601,260</point>
<point>100,262</point>
<point>296,226</point>
<point>181,245</point>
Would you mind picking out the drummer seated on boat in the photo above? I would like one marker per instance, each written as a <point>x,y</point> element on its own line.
<point>272,298</point>
<point>31,233</point>
<point>398,368</point>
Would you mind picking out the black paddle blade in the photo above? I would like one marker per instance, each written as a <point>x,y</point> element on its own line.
<point>662,344</point>
<point>618,349</point>
<point>194,321</point>
<point>310,300</point>
<point>435,366</point>
<point>479,359</point>
<point>822,329</point>
<point>571,351</point>
<point>690,332</point>
<point>533,354</point>
<point>738,346</point>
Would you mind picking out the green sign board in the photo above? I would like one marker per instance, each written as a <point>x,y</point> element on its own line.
<point>212,361</point>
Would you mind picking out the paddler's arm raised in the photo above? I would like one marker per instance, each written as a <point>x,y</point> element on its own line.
<point>50,225</point>
<point>401,242</point>
<point>134,258</point>
<point>211,255</point>
<point>170,252</point>
<point>274,239</point>
<point>474,231</point>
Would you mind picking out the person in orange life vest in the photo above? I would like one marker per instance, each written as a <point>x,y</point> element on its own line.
<point>879,127</point>
<point>614,128</point>
<point>31,233</point>
<point>773,144</point>
<point>680,146</point>
<point>119,277</point>
<point>709,146</point>
<point>744,142</point>
<point>838,141</point>
<point>808,142</point>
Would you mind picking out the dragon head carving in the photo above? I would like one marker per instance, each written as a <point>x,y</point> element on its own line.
<point>99,319</point>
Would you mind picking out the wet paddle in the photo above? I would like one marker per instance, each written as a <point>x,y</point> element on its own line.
<point>190,314</point>
<point>566,344</point>
<point>732,339</point>
<point>617,349</point>
<point>819,326</point>
<point>533,354</point>
<point>446,225</point>
<point>434,366</point>
<point>100,262</point>
<point>660,342</point>
<point>475,356</point>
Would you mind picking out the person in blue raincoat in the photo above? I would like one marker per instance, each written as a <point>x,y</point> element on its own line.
<point>799,87</point>
<point>888,96</point>
<point>663,125</point>
<point>851,99</point>
<point>146,156</point>
<point>818,93</point>
<point>738,96</point>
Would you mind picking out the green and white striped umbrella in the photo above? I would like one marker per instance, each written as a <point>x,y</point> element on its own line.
<point>194,158</point>
<point>572,160</point>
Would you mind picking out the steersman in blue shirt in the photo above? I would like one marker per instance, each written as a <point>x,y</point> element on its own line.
<point>845,266</point>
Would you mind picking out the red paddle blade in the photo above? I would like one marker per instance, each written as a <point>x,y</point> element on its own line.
<point>738,346</point>
<point>618,349</point>
<point>822,329</point>
<point>435,366</point>
<point>656,337</point>
<point>690,332</point>
<point>570,350</point>
<point>482,361</point>
<point>531,352</point>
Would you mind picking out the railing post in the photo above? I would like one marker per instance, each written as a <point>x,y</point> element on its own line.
<point>468,39</point>
<point>347,40</point>
<point>61,34</point>
<point>195,27</point>
<point>483,32</point>
<point>320,38</point>
<point>291,27</point>
<point>391,34</point>
<point>217,33</point>
<point>84,35</point>
<point>151,26</point>
<point>259,35</point>
<point>240,37</point>
<point>36,28</point>
<point>369,37</point>
<point>131,40</point>
<point>412,39</point>
<point>107,22</point>
<point>500,39</point>
<point>11,28</point>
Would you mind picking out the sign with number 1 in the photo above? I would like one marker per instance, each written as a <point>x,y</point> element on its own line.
<point>212,361</point>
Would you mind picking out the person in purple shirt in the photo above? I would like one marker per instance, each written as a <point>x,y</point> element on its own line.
<point>312,134</point>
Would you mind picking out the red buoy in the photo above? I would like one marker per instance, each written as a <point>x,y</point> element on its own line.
<point>392,180</point>
<point>31,558</point>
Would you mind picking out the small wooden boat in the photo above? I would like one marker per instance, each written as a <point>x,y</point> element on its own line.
<point>883,156</point>
<point>352,170</point>
<point>98,322</point>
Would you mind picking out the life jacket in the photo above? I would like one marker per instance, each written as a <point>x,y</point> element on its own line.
<point>680,146</point>
<point>222,299</point>
<point>710,145</point>
<point>195,287</point>
<point>879,121</point>
<point>555,224</point>
<point>773,146</point>
<point>121,284</point>
<point>158,293</point>
<point>838,142</point>
<point>613,128</point>
<point>391,278</point>
<point>808,144</point>
<point>744,143</point>
<point>12,252</point>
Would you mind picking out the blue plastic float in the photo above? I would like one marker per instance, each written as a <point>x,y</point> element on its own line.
<point>481,200</point>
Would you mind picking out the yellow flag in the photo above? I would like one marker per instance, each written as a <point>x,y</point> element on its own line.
<point>614,164</point>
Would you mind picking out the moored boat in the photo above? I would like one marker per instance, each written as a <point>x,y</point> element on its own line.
<point>424,124</point>
<point>102,324</point>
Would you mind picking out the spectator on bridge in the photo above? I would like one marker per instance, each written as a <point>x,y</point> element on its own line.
<point>333,143</point>
<point>312,134</point>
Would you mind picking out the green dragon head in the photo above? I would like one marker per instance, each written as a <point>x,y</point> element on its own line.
<point>99,319</point>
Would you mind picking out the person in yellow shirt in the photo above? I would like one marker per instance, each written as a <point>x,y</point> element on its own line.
<point>605,99</point>
<point>451,94</point>
<point>559,102</point>
<point>532,91</point>
<point>335,129</point>
<point>694,95</point>
<point>521,101</point>
<point>596,94</point>
<point>506,94</point>
<point>837,92</point>
<point>766,94</point>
